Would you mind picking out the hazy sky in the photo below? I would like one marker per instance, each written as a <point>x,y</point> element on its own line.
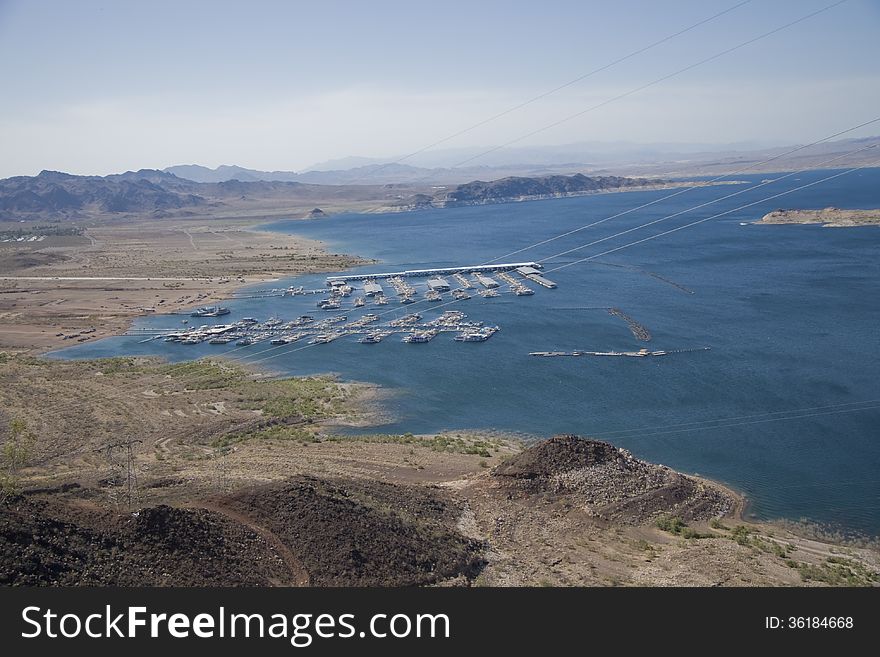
<point>102,87</point>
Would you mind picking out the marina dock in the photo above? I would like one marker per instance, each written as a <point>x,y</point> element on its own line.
<point>440,271</point>
<point>438,284</point>
<point>249,331</point>
<point>641,353</point>
<point>354,294</point>
<point>540,280</point>
<point>530,272</point>
<point>372,288</point>
<point>486,281</point>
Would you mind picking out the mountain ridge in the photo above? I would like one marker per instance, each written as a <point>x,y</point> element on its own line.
<point>59,195</point>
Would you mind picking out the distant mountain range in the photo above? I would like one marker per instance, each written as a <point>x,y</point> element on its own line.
<point>225,172</point>
<point>193,189</point>
<point>439,167</point>
<point>54,195</point>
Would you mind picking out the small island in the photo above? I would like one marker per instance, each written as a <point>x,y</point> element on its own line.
<point>828,217</point>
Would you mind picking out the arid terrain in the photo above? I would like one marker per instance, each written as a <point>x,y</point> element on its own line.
<point>85,286</point>
<point>829,217</point>
<point>235,478</point>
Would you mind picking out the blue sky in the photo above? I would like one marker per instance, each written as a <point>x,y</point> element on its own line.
<point>99,87</point>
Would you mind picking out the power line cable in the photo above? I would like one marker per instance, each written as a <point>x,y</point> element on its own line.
<point>554,90</point>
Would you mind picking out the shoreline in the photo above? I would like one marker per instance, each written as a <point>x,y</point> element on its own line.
<point>444,205</point>
<point>826,218</point>
<point>64,292</point>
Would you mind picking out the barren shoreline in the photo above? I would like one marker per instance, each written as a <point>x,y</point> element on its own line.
<point>828,217</point>
<point>61,291</point>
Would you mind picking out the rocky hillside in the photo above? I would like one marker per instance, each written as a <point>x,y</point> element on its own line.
<point>56,194</point>
<point>52,195</point>
<point>516,188</point>
<point>609,482</point>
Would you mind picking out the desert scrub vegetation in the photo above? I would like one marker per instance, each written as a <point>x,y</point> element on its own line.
<point>837,571</point>
<point>741,534</point>
<point>310,397</point>
<point>715,523</point>
<point>14,455</point>
<point>204,374</point>
<point>748,537</point>
<point>675,525</point>
<point>297,434</point>
<point>453,443</point>
<point>121,365</point>
<point>146,398</point>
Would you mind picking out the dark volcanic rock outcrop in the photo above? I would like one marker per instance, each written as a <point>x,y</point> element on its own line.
<point>52,543</point>
<point>352,533</point>
<point>308,531</point>
<point>557,455</point>
<point>608,482</point>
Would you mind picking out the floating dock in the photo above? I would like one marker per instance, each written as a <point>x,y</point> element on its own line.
<point>464,282</point>
<point>438,284</point>
<point>413,328</point>
<point>486,281</point>
<point>540,280</point>
<point>641,353</point>
<point>440,271</point>
<point>372,288</point>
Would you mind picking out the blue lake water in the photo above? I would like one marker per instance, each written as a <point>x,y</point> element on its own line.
<point>791,314</point>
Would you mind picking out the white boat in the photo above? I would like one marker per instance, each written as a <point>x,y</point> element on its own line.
<point>419,336</point>
<point>210,311</point>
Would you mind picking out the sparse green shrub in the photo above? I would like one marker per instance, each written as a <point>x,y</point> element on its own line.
<point>438,443</point>
<point>14,456</point>
<point>690,533</point>
<point>779,550</point>
<point>671,524</point>
<point>742,535</point>
<point>272,433</point>
<point>118,364</point>
<point>838,571</point>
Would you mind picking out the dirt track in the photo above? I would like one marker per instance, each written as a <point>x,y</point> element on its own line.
<point>297,574</point>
